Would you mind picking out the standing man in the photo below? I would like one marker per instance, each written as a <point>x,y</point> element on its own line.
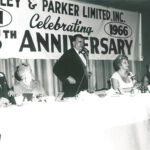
<point>71,68</point>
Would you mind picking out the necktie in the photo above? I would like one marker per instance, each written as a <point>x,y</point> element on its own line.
<point>83,57</point>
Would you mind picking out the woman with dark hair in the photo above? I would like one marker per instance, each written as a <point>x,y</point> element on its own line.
<point>122,80</point>
<point>5,91</point>
<point>26,85</point>
<point>146,79</point>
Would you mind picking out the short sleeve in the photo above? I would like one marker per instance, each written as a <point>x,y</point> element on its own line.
<point>115,76</point>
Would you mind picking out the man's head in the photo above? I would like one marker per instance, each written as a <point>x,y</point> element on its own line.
<point>78,42</point>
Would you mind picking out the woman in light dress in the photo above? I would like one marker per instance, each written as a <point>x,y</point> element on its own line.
<point>122,79</point>
<point>26,84</point>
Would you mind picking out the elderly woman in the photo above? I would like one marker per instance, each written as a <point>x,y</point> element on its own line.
<point>26,84</point>
<point>122,80</point>
<point>146,79</point>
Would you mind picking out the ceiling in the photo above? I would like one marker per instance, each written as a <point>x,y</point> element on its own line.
<point>142,6</point>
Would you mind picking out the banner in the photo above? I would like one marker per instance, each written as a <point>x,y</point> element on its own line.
<point>43,29</point>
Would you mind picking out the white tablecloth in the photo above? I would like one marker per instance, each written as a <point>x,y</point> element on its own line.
<point>87,122</point>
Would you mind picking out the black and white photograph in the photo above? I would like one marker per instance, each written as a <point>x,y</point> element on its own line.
<point>74,74</point>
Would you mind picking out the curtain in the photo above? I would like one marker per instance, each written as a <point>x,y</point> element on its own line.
<point>43,71</point>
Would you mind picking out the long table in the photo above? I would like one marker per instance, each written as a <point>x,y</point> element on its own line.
<point>86,122</point>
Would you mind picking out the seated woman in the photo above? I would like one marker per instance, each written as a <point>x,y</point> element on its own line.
<point>26,84</point>
<point>122,80</point>
<point>146,79</point>
<point>5,91</point>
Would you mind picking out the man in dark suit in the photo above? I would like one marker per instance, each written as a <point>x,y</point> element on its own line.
<point>71,68</point>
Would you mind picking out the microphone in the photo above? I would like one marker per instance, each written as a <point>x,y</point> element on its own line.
<point>131,76</point>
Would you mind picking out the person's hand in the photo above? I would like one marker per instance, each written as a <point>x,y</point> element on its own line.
<point>71,80</point>
<point>11,93</point>
<point>137,85</point>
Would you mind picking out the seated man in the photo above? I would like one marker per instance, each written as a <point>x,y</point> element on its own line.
<point>5,92</point>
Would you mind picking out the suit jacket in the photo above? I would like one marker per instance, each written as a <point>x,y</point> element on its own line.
<point>70,64</point>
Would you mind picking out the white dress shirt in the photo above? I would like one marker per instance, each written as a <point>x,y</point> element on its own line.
<point>81,56</point>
